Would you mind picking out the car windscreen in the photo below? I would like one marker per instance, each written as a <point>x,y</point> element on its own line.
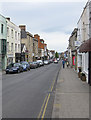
<point>16,65</point>
<point>10,65</point>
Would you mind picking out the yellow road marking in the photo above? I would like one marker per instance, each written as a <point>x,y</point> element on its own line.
<point>46,103</point>
<point>42,107</point>
<point>52,85</point>
<point>45,107</point>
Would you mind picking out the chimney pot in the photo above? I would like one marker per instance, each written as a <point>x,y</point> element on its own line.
<point>8,18</point>
<point>22,27</point>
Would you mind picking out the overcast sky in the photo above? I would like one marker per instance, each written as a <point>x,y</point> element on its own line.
<point>53,21</point>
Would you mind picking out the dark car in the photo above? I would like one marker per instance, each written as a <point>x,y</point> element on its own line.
<point>38,65</point>
<point>14,68</point>
<point>33,65</point>
<point>26,65</point>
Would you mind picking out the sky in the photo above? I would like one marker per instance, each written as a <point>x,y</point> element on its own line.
<point>54,21</point>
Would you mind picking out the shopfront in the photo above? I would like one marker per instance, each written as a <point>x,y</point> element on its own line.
<point>85,48</point>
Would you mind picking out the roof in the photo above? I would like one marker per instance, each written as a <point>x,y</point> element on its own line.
<point>41,40</point>
<point>36,35</point>
<point>28,33</point>
<point>86,46</point>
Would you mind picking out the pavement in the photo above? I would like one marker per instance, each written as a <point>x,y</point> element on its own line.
<point>71,96</point>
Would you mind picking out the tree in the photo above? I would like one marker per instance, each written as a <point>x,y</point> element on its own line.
<point>56,55</point>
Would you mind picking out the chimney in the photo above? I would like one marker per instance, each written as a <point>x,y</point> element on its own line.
<point>22,27</point>
<point>37,36</point>
<point>8,18</point>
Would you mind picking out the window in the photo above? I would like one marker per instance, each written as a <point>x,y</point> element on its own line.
<point>1,28</point>
<point>3,46</point>
<point>15,47</point>
<point>7,46</point>
<point>11,47</point>
<point>16,35</point>
<point>18,47</point>
<point>86,62</point>
<point>12,33</point>
<point>7,31</point>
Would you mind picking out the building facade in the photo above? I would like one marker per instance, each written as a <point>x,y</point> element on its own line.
<point>72,49</point>
<point>52,54</point>
<point>3,42</point>
<point>84,33</point>
<point>27,42</point>
<point>40,47</point>
<point>13,42</point>
<point>45,51</point>
<point>35,49</point>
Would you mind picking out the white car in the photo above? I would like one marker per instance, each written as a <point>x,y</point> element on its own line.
<point>40,62</point>
<point>55,61</point>
<point>46,62</point>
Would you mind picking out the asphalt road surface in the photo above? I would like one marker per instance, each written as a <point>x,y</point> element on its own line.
<point>29,94</point>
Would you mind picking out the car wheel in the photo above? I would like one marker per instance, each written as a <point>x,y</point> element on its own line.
<point>7,72</point>
<point>27,69</point>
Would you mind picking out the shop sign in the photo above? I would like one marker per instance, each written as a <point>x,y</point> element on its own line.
<point>77,43</point>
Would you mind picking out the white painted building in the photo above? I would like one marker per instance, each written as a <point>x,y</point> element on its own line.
<point>45,50</point>
<point>42,52</point>
<point>13,42</point>
<point>83,34</point>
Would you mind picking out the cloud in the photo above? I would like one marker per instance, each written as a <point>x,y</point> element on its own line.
<point>55,40</point>
<point>0,7</point>
<point>54,22</point>
<point>43,1</point>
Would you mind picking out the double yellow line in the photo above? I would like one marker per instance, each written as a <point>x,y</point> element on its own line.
<point>45,103</point>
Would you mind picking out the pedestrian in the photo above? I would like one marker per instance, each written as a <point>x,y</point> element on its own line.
<point>63,62</point>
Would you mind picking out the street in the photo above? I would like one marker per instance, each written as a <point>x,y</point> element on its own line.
<point>24,94</point>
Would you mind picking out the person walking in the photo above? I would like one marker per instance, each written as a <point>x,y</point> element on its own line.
<point>63,62</point>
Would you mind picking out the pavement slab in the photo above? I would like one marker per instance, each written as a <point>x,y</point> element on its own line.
<point>71,96</point>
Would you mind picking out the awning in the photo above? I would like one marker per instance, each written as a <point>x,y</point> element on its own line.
<point>86,46</point>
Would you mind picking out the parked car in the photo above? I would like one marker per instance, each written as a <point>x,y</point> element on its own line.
<point>40,62</point>
<point>58,59</point>
<point>33,65</point>
<point>14,68</point>
<point>55,61</point>
<point>46,62</point>
<point>26,65</point>
<point>51,60</point>
<point>36,64</point>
